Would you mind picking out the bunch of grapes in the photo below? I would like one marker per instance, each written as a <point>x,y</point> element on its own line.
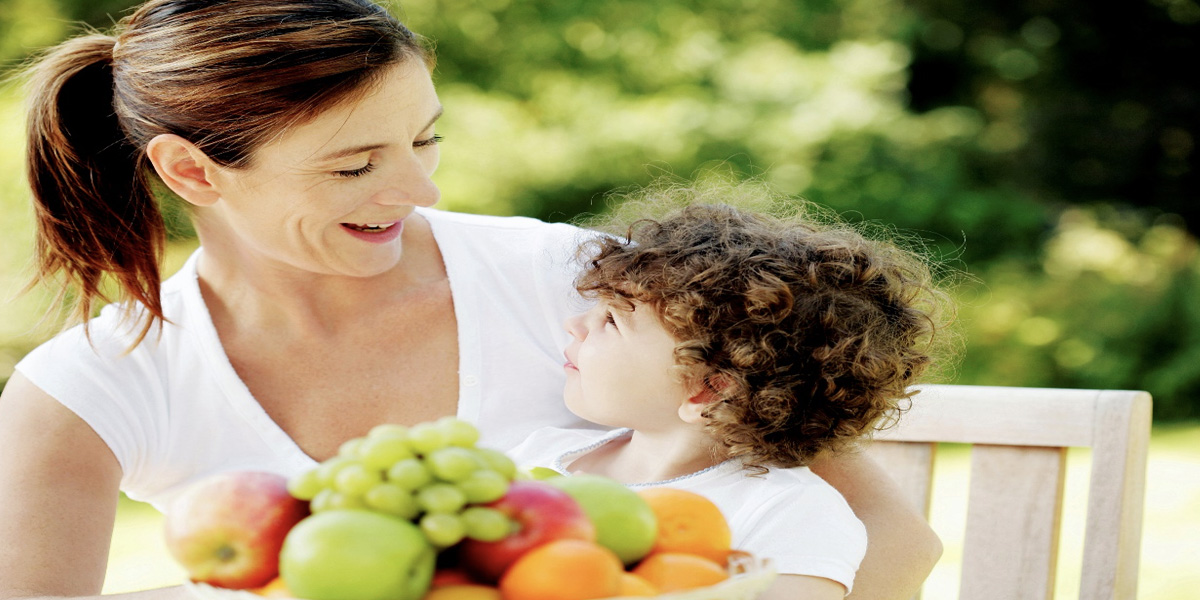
<point>432,474</point>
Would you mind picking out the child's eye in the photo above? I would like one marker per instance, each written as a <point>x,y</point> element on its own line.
<point>431,141</point>
<point>367,168</point>
<point>608,318</point>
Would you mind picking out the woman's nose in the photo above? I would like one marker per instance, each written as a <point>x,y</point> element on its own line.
<point>412,185</point>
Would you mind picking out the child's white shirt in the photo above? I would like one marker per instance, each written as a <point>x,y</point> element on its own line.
<point>791,516</point>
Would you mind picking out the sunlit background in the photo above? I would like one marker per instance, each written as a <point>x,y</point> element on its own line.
<point>1045,149</point>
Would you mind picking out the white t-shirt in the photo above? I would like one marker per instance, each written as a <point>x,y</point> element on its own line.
<point>791,516</point>
<point>174,410</point>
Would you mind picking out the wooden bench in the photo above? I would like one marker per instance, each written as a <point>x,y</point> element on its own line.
<point>1019,439</point>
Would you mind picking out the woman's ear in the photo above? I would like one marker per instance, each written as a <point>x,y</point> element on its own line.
<point>184,168</point>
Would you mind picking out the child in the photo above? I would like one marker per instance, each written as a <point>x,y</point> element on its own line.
<point>730,349</point>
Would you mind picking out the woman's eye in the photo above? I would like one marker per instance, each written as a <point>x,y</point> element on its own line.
<point>367,168</point>
<point>431,141</point>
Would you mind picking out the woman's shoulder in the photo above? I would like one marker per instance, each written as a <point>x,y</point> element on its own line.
<point>506,243</point>
<point>512,232</point>
<point>115,332</point>
<point>495,223</point>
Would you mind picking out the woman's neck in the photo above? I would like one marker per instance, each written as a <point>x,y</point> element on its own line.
<point>288,299</point>
<point>645,457</point>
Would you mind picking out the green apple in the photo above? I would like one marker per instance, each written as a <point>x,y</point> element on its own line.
<point>356,555</point>
<point>624,522</point>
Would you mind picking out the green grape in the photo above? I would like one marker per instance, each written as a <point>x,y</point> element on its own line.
<point>486,524</point>
<point>304,486</point>
<point>458,432</point>
<point>349,448</point>
<point>540,473</point>
<point>322,501</point>
<point>355,479</point>
<point>384,451</point>
<point>453,464</point>
<point>441,498</point>
<point>409,474</point>
<point>425,438</point>
<point>483,486</point>
<point>498,461</point>
<point>443,530</point>
<point>393,500</point>
<point>340,501</point>
<point>328,470</point>
<point>388,430</point>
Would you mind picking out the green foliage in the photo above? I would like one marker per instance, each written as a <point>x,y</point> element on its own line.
<point>1086,102</point>
<point>1109,304</point>
<point>981,127</point>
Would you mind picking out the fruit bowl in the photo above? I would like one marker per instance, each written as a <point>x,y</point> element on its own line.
<point>749,577</point>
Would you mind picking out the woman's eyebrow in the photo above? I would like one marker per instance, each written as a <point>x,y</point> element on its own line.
<point>344,152</point>
<point>351,151</point>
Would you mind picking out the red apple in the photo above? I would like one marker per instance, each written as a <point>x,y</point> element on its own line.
<point>542,513</point>
<point>227,529</point>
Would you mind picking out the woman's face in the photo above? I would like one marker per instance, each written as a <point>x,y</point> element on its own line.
<point>331,195</point>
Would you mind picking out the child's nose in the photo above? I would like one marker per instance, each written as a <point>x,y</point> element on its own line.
<point>575,326</point>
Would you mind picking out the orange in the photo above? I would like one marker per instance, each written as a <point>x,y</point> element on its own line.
<point>634,585</point>
<point>463,591</point>
<point>563,570</point>
<point>275,588</point>
<point>674,571</point>
<point>689,523</point>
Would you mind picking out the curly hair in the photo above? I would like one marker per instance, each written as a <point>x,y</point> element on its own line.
<point>809,333</point>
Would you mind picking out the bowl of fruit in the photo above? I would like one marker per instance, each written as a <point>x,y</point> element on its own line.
<point>424,513</point>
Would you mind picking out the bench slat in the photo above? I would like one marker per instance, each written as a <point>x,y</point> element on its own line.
<point>1011,542</point>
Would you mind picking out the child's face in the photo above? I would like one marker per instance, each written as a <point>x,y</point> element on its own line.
<point>620,368</point>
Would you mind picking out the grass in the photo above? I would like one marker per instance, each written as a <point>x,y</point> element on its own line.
<point>1171,534</point>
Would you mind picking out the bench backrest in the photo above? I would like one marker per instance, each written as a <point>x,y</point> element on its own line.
<point>1019,439</point>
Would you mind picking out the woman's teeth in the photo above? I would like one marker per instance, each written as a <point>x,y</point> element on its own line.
<point>370,226</point>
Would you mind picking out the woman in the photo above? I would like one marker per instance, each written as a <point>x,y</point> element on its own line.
<point>328,297</point>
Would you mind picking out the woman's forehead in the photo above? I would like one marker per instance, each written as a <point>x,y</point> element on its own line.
<point>396,109</point>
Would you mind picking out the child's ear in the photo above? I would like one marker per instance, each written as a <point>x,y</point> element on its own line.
<point>692,410</point>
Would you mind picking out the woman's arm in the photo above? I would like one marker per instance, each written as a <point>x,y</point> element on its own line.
<point>901,548</point>
<point>58,500</point>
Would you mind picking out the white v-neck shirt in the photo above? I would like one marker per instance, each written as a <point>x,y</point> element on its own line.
<point>791,516</point>
<point>174,410</point>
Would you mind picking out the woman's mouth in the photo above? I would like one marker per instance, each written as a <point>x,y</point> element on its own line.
<point>369,227</point>
<point>378,233</point>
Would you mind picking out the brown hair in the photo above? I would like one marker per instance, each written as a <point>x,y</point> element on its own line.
<point>808,332</point>
<point>227,75</point>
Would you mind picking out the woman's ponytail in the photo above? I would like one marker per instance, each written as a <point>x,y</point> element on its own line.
<point>96,102</point>
<point>96,215</point>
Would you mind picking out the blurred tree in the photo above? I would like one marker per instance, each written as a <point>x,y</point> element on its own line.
<point>1085,102</point>
<point>1046,144</point>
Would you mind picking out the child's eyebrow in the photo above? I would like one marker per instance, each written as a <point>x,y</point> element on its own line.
<point>625,316</point>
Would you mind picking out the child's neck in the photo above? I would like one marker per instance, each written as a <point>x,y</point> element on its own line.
<point>650,457</point>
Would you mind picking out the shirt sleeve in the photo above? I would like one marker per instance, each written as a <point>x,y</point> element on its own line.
<point>112,388</point>
<point>808,531</point>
